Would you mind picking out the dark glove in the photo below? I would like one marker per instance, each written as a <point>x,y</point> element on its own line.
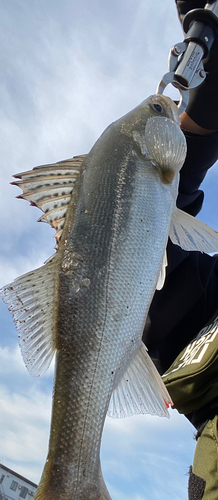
<point>203,100</point>
<point>184,6</point>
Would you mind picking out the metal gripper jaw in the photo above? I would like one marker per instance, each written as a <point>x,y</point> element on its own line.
<point>186,70</point>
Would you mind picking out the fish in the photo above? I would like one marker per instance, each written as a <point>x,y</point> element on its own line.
<point>113,211</point>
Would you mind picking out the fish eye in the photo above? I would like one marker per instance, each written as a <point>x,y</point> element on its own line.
<point>156,107</point>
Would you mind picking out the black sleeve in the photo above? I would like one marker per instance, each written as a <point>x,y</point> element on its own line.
<point>202,152</point>
<point>203,100</point>
<point>190,293</point>
<point>184,6</point>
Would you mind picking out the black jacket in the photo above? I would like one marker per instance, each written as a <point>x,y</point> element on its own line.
<point>190,293</point>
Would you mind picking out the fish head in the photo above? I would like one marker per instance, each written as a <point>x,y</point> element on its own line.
<point>160,105</point>
<point>155,127</point>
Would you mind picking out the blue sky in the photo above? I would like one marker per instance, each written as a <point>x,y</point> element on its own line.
<point>68,70</point>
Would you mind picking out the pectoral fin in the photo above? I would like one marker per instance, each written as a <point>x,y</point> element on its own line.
<point>140,390</point>
<point>166,144</point>
<point>192,234</point>
<point>162,274</point>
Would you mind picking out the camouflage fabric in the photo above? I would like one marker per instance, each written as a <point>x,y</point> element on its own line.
<point>192,379</point>
<point>203,479</point>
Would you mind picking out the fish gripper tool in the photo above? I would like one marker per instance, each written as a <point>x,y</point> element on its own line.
<point>186,69</point>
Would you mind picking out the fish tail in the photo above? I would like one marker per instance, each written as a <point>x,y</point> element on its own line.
<point>52,486</point>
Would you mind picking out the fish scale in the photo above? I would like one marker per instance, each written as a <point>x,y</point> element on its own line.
<point>108,345</point>
<point>90,301</point>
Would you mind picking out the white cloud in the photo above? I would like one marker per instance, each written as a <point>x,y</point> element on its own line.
<point>69,82</point>
<point>70,70</point>
<point>135,461</point>
<point>22,265</point>
<point>24,422</point>
<point>11,362</point>
<point>136,451</point>
<point>25,415</point>
<point>148,456</point>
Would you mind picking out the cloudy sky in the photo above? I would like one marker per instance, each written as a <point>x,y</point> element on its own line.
<point>70,68</point>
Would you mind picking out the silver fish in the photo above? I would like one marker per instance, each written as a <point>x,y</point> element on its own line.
<point>113,211</point>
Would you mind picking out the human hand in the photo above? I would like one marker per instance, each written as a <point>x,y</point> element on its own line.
<point>184,6</point>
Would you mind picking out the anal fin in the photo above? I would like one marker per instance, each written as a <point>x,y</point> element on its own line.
<point>140,390</point>
<point>162,275</point>
<point>192,234</point>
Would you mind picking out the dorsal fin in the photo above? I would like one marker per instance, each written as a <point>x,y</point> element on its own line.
<point>49,187</point>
